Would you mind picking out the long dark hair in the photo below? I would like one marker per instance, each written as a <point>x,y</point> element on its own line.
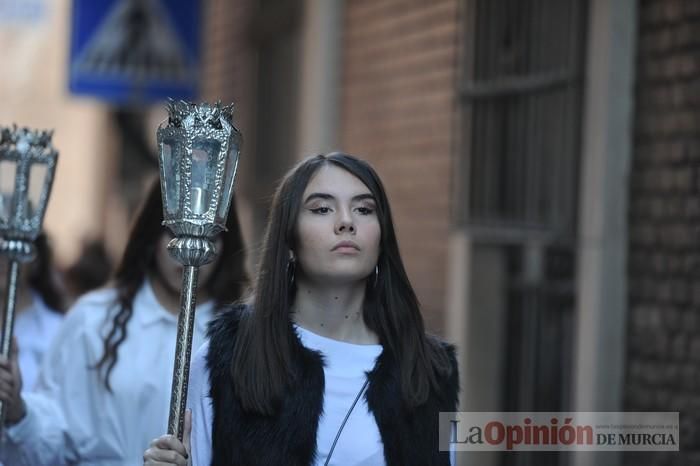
<point>42,276</point>
<point>226,284</point>
<point>261,364</point>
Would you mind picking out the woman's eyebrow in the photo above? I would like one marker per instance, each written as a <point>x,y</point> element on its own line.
<point>313,196</point>
<point>330,197</point>
<point>362,197</point>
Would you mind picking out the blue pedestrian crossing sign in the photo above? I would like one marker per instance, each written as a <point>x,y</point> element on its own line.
<point>131,52</point>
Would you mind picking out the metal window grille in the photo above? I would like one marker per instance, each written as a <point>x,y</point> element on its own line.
<point>523,99</point>
<point>539,333</point>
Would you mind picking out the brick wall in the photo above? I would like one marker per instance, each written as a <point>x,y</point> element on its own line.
<point>229,59</point>
<point>227,55</point>
<point>663,359</point>
<point>398,107</point>
<point>229,67</point>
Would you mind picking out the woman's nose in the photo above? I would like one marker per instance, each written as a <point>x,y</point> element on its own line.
<point>345,224</point>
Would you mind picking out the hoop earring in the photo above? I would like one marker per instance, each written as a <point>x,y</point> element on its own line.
<point>376,275</point>
<point>291,266</point>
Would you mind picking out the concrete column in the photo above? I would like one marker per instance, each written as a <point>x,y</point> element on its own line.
<point>601,308</point>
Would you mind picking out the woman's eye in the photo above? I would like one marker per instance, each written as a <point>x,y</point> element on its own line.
<point>320,210</point>
<point>365,210</point>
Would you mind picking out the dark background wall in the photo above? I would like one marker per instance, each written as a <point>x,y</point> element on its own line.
<point>663,368</point>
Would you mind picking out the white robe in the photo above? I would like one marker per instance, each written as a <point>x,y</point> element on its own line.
<point>71,418</point>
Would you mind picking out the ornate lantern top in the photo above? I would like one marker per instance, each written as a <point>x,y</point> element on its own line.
<point>199,150</point>
<point>27,166</point>
<point>21,138</point>
<point>188,115</point>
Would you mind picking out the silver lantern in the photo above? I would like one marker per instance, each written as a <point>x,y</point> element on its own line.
<point>198,155</point>
<point>27,167</point>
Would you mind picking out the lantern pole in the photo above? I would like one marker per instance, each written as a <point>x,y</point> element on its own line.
<point>21,217</point>
<point>198,157</point>
<point>17,251</point>
<point>183,351</point>
<point>192,253</point>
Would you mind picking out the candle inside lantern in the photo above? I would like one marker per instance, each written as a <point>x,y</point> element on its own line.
<point>26,205</point>
<point>198,202</point>
<point>4,207</point>
<point>29,206</point>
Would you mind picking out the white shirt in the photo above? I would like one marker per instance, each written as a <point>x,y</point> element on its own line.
<point>345,367</point>
<point>34,329</point>
<point>71,418</point>
<point>345,370</point>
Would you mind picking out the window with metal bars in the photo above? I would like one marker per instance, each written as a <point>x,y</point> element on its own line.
<point>522,109</point>
<point>522,106</point>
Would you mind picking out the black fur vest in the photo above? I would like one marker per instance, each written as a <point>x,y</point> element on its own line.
<point>410,436</point>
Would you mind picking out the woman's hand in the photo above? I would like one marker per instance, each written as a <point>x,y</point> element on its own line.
<point>11,387</point>
<point>168,450</point>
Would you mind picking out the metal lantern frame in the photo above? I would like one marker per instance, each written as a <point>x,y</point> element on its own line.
<point>24,148</point>
<point>187,125</point>
<point>193,127</point>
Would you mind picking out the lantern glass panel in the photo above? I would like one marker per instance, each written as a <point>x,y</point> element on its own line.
<point>204,155</point>
<point>37,180</point>
<point>229,174</point>
<point>171,175</point>
<point>8,174</point>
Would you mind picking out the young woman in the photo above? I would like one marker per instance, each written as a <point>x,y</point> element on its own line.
<point>103,392</point>
<point>328,362</point>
